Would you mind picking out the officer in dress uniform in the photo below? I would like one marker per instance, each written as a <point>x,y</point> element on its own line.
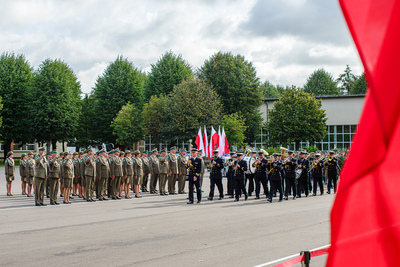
<point>173,171</point>
<point>47,184</point>
<point>316,172</point>
<point>216,165</point>
<point>275,176</point>
<point>163,163</point>
<point>54,176</point>
<point>128,172</point>
<point>146,171</point>
<point>194,176</point>
<point>332,164</point>
<point>138,178</point>
<point>116,174</point>
<point>10,171</point>
<point>40,177</point>
<point>290,166</point>
<point>68,176</point>
<point>102,173</point>
<point>303,164</point>
<point>23,172</point>
<point>240,169</point>
<point>82,192</point>
<point>154,170</point>
<point>31,173</point>
<point>182,166</point>
<point>229,175</point>
<point>77,175</point>
<point>261,174</point>
<point>90,174</point>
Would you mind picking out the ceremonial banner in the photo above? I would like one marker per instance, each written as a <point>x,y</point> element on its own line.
<point>199,140</point>
<point>365,218</point>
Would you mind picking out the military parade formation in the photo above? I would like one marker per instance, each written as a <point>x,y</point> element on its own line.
<point>113,175</point>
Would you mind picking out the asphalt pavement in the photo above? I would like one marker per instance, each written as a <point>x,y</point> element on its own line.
<point>159,230</point>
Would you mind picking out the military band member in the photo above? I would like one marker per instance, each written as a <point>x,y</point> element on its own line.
<point>332,164</point>
<point>77,176</point>
<point>195,167</point>
<point>250,176</point>
<point>163,162</point>
<point>203,167</point>
<point>316,172</point>
<point>261,174</point>
<point>40,177</point>
<point>146,171</point>
<point>116,174</point>
<point>216,165</point>
<point>82,191</point>
<point>173,171</point>
<point>102,173</point>
<point>290,175</point>
<point>182,166</point>
<point>54,172</point>
<point>240,169</point>
<point>31,173</point>
<point>90,174</point>
<point>229,175</point>
<point>275,176</point>
<point>10,171</point>
<point>155,171</point>
<point>23,171</point>
<point>303,164</point>
<point>138,178</point>
<point>128,172</point>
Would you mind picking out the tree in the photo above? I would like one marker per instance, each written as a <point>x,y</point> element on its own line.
<point>235,80</point>
<point>127,125</point>
<point>234,125</point>
<point>269,90</point>
<point>15,80</point>
<point>120,83</point>
<point>320,82</point>
<point>297,116</point>
<point>169,71</point>
<point>346,80</point>
<point>153,117</point>
<point>55,103</point>
<point>87,122</point>
<point>360,86</point>
<point>191,104</point>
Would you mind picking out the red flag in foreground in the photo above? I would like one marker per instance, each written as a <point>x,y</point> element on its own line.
<point>199,140</point>
<point>365,218</point>
<point>226,145</point>
<point>214,141</point>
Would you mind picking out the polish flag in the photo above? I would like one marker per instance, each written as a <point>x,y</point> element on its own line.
<point>214,140</point>
<point>199,140</point>
<point>226,145</point>
<point>221,143</point>
<point>205,151</point>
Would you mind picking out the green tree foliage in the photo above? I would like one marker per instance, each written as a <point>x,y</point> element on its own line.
<point>87,122</point>
<point>234,125</point>
<point>127,125</point>
<point>235,80</point>
<point>360,86</point>
<point>297,116</point>
<point>15,80</point>
<point>153,117</point>
<point>320,82</point>
<point>269,90</point>
<point>55,103</point>
<point>168,71</point>
<point>120,83</point>
<point>346,80</point>
<point>191,104</point>
<point>280,88</point>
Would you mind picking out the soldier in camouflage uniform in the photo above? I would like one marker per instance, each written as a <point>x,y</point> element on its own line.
<point>31,173</point>
<point>68,175</point>
<point>23,171</point>
<point>163,171</point>
<point>102,173</point>
<point>10,171</point>
<point>182,165</point>
<point>54,176</point>
<point>128,172</point>
<point>40,177</point>
<point>146,171</point>
<point>77,175</point>
<point>138,177</point>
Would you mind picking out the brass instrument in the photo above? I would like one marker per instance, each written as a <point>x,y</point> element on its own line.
<point>284,153</point>
<point>264,152</point>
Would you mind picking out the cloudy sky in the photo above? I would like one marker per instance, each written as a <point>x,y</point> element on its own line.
<point>286,40</point>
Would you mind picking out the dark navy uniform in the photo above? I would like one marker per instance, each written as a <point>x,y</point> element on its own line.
<point>316,173</point>
<point>303,180</point>
<point>239,179</point>
<point>261,176</point>
<point>194,171</point>
<point>229,176</point>
<point>290,177</point>
<point>275,179</point>
<point>216,177</point>
<point>332,164</point>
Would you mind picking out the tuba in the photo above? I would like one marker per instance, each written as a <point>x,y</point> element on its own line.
<point>284,153</point>
<point>264,152</point>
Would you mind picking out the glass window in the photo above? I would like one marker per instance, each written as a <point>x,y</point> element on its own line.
<point>353,128</point>
<point>331,138</point>
<point>325,138</point>
<point>339,128</point>
<point>347,138</point>
<point>339,137</point>
<point>346,145</point>
<point>331,129</point>
<point>339,146</point>
<point>346,128</point>
<point>326,147</point>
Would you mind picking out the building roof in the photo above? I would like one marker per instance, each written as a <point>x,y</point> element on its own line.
<point>325,97</point>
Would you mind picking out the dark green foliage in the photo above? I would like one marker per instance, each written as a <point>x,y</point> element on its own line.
<point>127,126</point>
<point>120,83</point>
<point>234,125</point>
<point>346,80</point>
<point>360,86</point>
<point>169,71</point>
<point>55,103</point>
<point>153,117</point>
<point>269,90</point>
<point>235,80</point>
<point>297,116</point>
<point>87,122</point>
<point>321,82</point>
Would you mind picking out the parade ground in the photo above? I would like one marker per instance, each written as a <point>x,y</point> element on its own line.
<point>159,230</point>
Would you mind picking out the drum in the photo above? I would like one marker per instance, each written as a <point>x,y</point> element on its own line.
<point>298,173</point>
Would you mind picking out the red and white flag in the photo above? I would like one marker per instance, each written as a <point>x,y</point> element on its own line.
<point>365,217</point>
<point>214,140</point>
<point>221,143</point>
<point>226,145</point>
<point>199,140</point>
<point>205,151</point>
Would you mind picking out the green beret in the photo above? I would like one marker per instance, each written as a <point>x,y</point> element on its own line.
<point>122,152</point>
<point>42,149</point>
<point>200,150</point>
<point>154,150</point>
<point>67,153</point>
<point>48,153</point>
<point>10,153</point>
<point>128,152</point>
<point>136,152</point>
<point>23,155</point>
<point>53,152</point>
<point>116,150</point>
<point>30,153</point>
<point>183,150</point>
<point>172,148</point>
<point>144,152</point>
<point>76,153</point>
<point>163,151</point>
<point>62,153</point>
